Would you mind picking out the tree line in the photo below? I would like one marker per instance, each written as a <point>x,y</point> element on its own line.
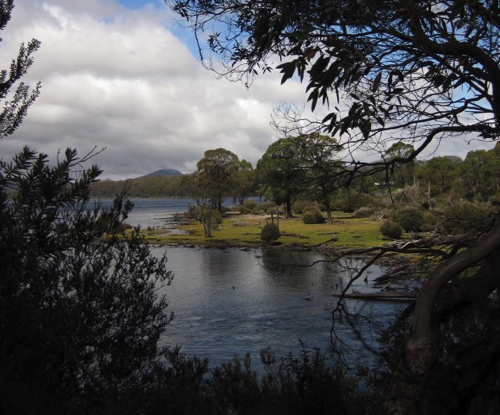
<point>305,168</point>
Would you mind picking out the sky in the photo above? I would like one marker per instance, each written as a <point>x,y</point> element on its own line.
<point>125,76</point>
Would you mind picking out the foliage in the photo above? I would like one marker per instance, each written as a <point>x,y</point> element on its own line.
<point>320,159</point>
<point>281,170</point>
<point>480,174</point>
<point>411,219</point>
<point>270,233</point>
<point>217,172</point>
<point>243,181</point>
<point>439,173</point>
<point>312,215</point>
<point>80,310</point>
<point>154,186</point>
<point>391,229</point>
<point>363,212</point>
<point>300,205</point>
<point>346,201</point>
<point>263,208</point>
<point>247,207</point>
<point>466,217</point>
<point>400,174</point>
<point>293,385</point>
<point>15,103</point>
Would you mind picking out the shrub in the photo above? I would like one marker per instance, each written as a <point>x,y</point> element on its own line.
<point>272,209</point>
<point>410,219</point>
<point>242,209</point>
<point>122,227</point>
<point>363,212</point>
<point>179,217</point>
<point>321,207</point>
<point>250,204</point>
<point>81,309</point>
<point>216,219</point>
<point>348,203</point>
<point>194,212</point>
<point>312,215</point>
<point>270,232</point>
<point>466,217</point>
<point>262,208</point>
<point>299,206</point>
<point>391,229</point>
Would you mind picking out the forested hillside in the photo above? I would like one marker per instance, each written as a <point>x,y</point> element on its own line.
<point>146,186</point>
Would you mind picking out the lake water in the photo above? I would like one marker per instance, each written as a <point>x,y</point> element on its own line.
<point>232,301</point>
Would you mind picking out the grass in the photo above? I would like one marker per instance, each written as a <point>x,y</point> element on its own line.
<point>244,230</point>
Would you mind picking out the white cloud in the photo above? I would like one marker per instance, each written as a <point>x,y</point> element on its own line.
<point>123,79</point>
<point>118,78</point>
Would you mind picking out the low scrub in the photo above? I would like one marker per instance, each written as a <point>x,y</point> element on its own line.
<point>391,230</point>
<point>363,212</point>
<point>466,217</point>
<point>300,206</point>
<point>262,208</point>
<point>310,383</point>
<point>270,233</point>
<point>312,215</point>
<point>247,207</point>
<point>410,219</point>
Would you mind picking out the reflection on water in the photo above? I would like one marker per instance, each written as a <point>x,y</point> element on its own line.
<point>229,302</point>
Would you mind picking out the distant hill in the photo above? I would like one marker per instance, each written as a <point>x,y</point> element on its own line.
<point>162,173</point>
<point>161,183</point>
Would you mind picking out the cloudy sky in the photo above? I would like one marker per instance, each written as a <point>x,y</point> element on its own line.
<point>122,74</point>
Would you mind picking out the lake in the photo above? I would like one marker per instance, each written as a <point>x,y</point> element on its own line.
<point>230,301</point>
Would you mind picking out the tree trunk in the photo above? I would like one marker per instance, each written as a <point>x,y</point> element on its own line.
<point>328,211</point>
<point>288,207</point>
<point>206,220</point>
<point>422,347</point>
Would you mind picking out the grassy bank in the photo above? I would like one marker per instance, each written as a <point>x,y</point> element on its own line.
<point>244,230</point>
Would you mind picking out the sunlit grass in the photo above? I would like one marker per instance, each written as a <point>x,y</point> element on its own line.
<point>244,230</point>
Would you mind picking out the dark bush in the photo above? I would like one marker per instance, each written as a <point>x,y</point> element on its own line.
<point>262,208</point>
<point>299,206</point>
<point>410,219</point>
<point>241,209</point>
<point>194,212</point>
<point>466,217</point>
<point>270,232</point>
<point>391,230</point>
<point>312,215</point>
<point>250,204</point>
<point>363,212</point>
<point>348,203</point>
<point>122,227</point>
<point>273,209</point>
<point>308,383</point>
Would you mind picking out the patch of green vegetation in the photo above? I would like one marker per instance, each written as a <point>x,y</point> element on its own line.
<point>345,232</point>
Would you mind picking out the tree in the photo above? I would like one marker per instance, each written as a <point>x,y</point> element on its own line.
<point>15,106</point>
<point>480,172</point>
<point>409,71</point>
<point>282,169</point>
<point>80,306</point>
<point>218,168</point>
<point>319,155</point>
<point>243,181</point>
<point>401,174</point>
<point>198,186</point>
<point>439,173</point>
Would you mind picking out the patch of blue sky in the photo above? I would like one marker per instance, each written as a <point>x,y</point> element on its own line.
<point>138,4</point>
<point>174,23</point>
